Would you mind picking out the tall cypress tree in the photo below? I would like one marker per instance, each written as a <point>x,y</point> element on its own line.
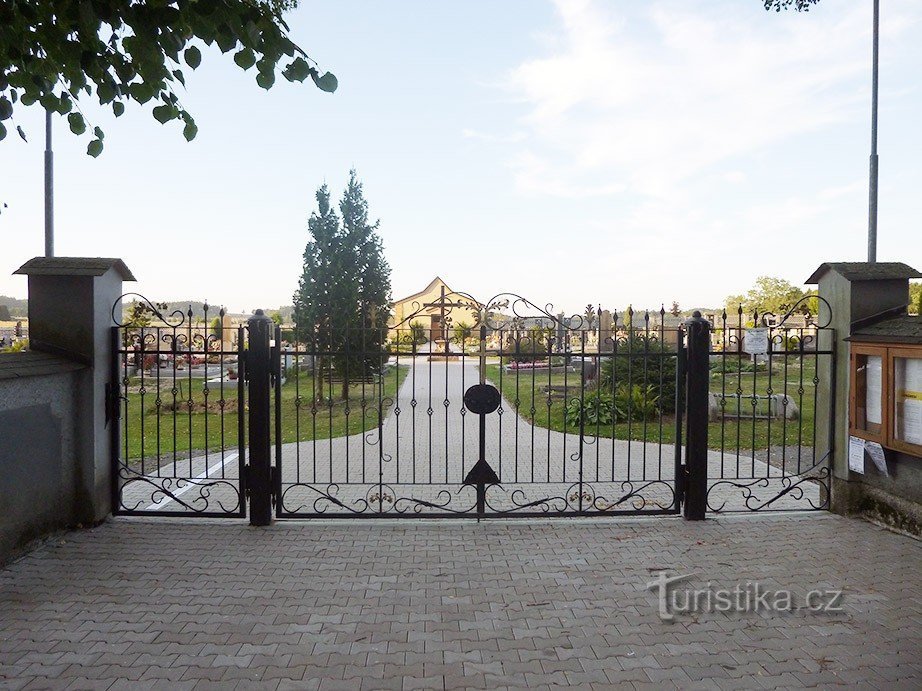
<point>342,302</point>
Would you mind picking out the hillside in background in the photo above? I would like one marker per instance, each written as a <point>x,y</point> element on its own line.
<point>18,308</point>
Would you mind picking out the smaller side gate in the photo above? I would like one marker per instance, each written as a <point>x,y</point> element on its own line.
<point>177,412</point>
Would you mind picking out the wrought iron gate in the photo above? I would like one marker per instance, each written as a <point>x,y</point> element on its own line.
<point>177,412</point>
<point>512,410</point>
<point>408,440</point>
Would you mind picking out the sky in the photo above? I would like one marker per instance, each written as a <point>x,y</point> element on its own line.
<point>577,151</point>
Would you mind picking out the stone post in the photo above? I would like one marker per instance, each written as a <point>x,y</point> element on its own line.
<point>850,292</point>
<point>70,315</point>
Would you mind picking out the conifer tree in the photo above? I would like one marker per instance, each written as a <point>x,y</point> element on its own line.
<point>342,302</point>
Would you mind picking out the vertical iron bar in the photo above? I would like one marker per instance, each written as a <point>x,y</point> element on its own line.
<point>276,374</point>
<point>258,366</point>
<point>241,417</point>
<point>114,406</point>
<point>696,459</point>
<point>679,476</point>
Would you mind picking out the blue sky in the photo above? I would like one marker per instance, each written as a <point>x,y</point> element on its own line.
<point>573,151</point>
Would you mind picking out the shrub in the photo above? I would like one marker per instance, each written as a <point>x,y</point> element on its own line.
<point>633,354</point>
<point>596,409</point>
<point>636,402</point>
<point>527,346</point>
<point>418,334</point>
<point>629,402</point>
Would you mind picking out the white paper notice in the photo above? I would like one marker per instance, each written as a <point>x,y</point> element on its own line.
<point>755,342</point>
<point>856,454</point>
<point>873,396</point>
<point>913,375</point>
<point>912,421</point>
<point>876,452</point>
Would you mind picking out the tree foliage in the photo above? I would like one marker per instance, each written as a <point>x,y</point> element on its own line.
<point>915,297</point>
<point>797,5</point>
<point>5,315</point>
<point>343,298</point>
<point>770,294</point>
<point>53,53</point>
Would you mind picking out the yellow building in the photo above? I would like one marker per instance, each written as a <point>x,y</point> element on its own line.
<point>429,307</point>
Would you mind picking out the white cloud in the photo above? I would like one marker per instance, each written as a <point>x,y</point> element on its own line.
<point>511,138</point>
<point>644,99</point>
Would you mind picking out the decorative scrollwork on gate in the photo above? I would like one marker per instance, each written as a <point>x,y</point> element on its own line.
<point>196,495</point>
<point>775,489</point>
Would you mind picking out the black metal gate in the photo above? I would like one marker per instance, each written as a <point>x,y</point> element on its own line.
<point>177,411</point>
<point>467,408</point>
<point>383,422</point>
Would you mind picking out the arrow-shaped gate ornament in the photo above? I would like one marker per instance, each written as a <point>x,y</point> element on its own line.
<point>482,399</point>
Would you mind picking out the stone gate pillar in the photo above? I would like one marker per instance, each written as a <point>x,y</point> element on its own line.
<point>70,316</point>
<point>853,293</point>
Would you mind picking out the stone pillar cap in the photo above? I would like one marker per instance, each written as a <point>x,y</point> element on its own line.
<point>74,266</point>
<point>865,271</point>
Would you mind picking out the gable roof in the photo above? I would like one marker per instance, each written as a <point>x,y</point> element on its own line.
<point>900,329</point>
<point>434,282</point>
<point>74,266</point>
<point>865,271</point>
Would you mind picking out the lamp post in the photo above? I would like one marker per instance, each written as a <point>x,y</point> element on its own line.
<point>872,202</point>
<point>49,188</point>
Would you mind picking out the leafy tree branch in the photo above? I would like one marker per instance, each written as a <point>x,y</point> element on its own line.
<point>52,53</point>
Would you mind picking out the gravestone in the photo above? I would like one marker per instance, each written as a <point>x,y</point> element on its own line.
<point>606,335</point>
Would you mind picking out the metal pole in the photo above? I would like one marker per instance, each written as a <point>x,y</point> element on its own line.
<point>259,471</point>
<point>696,449</point>
<point>872,203</point>
<point>49,188</point>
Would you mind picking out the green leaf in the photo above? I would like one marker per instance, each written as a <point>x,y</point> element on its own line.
<point>189,131</point>
<point>163,114</point>
<point>265,79</point>
<point>22,135</point>
<point>106,92</point>
<point>2,131</point>
<point>297,71</point>
<point>245,58</point>
<point>226,41</point>
<point>94,148</point>
<point>6,108</point>
<point>100,135</point>
<point>49,102</point>
<point>140,92</point>
<point>179,77</point>
<point>118,108</point>
<point>193,57</point>
<point>327,82</point>
<point>77,123</point>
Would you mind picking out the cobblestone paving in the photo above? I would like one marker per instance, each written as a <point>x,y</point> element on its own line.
<point>445,605</point>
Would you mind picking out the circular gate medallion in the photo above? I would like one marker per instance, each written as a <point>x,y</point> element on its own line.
<point>482,399</point>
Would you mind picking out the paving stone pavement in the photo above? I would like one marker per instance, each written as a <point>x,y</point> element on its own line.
<point>146,603</point>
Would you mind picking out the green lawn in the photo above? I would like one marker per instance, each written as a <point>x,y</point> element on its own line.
<point>302,419</point>
<point>729,433</point>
